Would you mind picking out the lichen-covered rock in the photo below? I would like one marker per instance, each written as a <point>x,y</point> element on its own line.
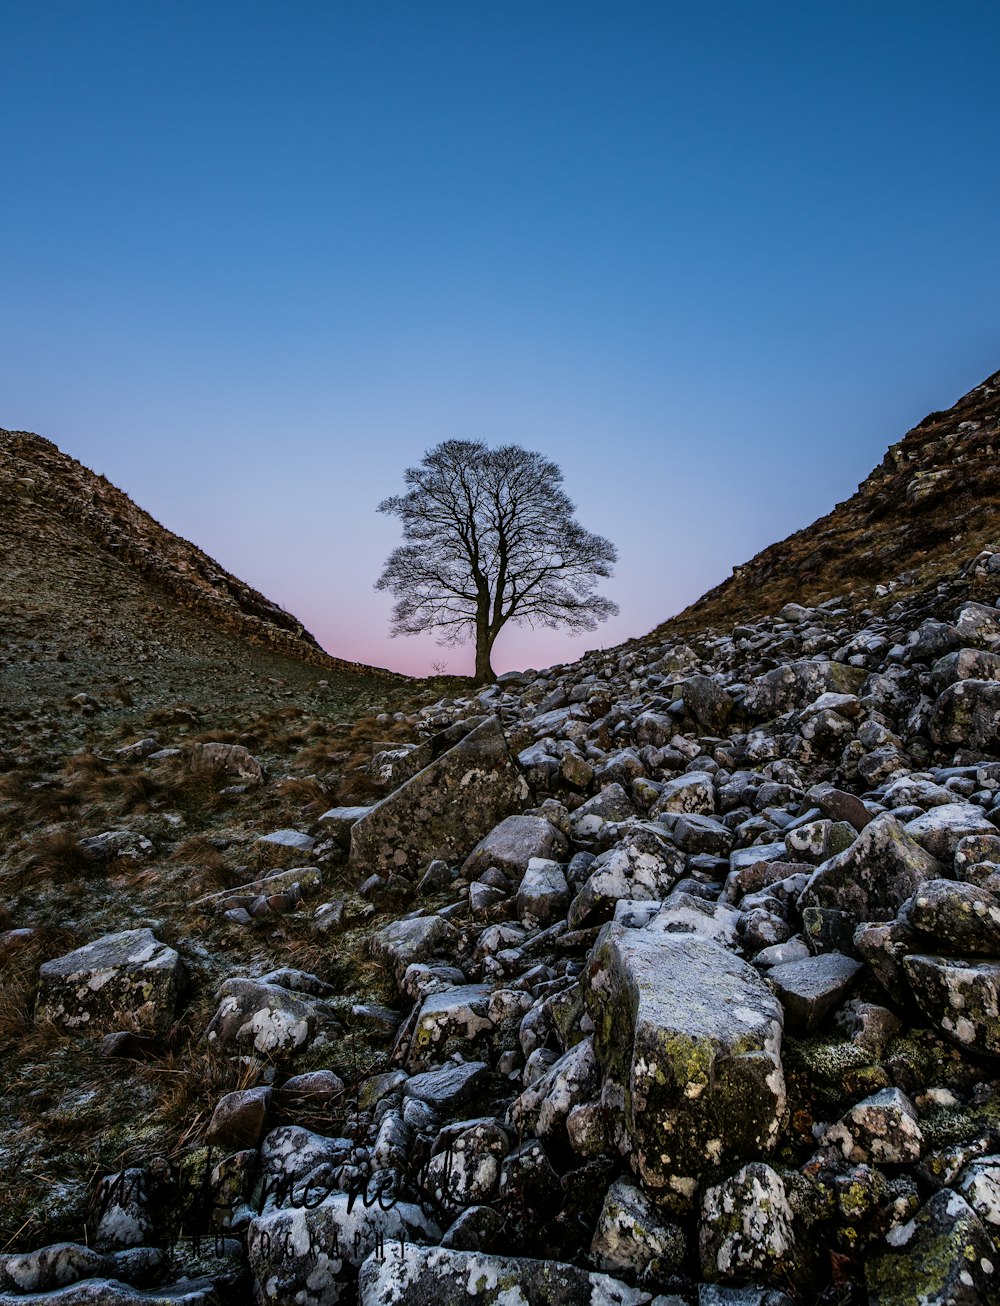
<point>465,1169</point>
<point>874,877</point>
<point>967,715</point>
<point>747,1227</point>
<point>541,1110</point>
<point>256,1016</point>
<point>610,806</point>
<point>49,1268</point>
<point>941,829</point>
<point>112,844</point>
<point>797,683</point>
<point>883,1128</point>
<point>944,1257</point>
<point>200,1291</point>
<point>442,810</point>
<point>961,997</point>
<point>979,1184</point>
<point>959,917</point>
<point>644,866</point>
<point>689,1037</point>
<point>130,976</point>
<point>512,844</point>
<point>439,1276</point>
<point>460,1013</point>
<point>631,1234</point>
<point>693,792</point>
<point>310,1255</point>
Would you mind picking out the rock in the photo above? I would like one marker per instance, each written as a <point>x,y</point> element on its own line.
<point>310,1255</point>
<point>543,894</point>
<point>979,1184</point>
<point>113,844</point>
<point>631,1234</point>
<point>512,844</point>
<point>541,1110</point>
<point>449,1086</point>
<point>747,1227</point>
<point>683,913</point>
<point>459,1013</point>
<point>873,878</point>
<point>884,947</point>
<point>338,822</point>
<point>966,664</point>
<point>123,1204</point>
<point>126,975</point>
<point>883,1129</point>
<point>689,1038</point>
<point>943,1257</point>
<point>466,1172</point>
<point>979,625</point>
<point>295,840</point>
<point>962,998</point>
<point>693,793</point>
<point>231,758</point>
<point>942,828</point>
<point>239,1118</point>
<point>199,1291</point>
<point>54,1267</point>
<point>958,917</point>
<point>267,1018</point>
<point>796,684</point>
<point>437,1276</point>
<point>695,833</point>
<point>967,714</point>
<point>644,866</point>
<point>611,805</point>
<point>708,702</point>
<point>315,1086</point>
<point>810,988</point>
<point>299,1167</point>
<point>404,942</point>
<point>841,806</point>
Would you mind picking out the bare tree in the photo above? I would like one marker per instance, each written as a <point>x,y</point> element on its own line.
<point>489,537</point>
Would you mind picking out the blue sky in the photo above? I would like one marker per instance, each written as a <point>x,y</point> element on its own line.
<point>255,258</point>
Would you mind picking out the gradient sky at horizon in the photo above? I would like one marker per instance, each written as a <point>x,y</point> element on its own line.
<point>256,258</point>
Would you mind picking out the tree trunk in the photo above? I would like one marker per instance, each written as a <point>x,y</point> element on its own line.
<point>484,674</point>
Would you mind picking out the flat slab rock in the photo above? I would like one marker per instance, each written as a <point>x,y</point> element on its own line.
<point>112,1292</point>
<point>443,810</point>
<point>689,1038</point>
<point>129,975</point>
<point>437,1276</point>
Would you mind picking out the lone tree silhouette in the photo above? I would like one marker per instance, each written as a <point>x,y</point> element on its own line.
<point>489,538</point>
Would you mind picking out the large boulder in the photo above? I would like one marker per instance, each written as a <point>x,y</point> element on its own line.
<point>443,810</point>
<point>129,977</point>
<point>689,1037</point>
<point>967,715</point>
<point>872,878</point>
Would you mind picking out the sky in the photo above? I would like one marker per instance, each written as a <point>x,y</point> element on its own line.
<point>257,258</point>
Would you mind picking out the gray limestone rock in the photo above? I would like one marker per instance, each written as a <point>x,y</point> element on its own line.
<point>958,917</point>
<point>941,829</point>
<point>882,1129</point>
<point>796,684</point>
<point>644,866</point>
<point>967,715</point>
<point>129,976</point>
<point>256,1016</point>
<point>541,1110</point>
<point>543,894</point>
<point>631,1234</point>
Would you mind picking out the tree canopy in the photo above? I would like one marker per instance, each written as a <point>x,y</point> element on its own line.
<point>490,537</point>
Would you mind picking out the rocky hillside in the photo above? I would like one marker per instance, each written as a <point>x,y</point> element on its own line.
<point>43,491</point>
<point>667,978</point>
<point>933,500</point>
